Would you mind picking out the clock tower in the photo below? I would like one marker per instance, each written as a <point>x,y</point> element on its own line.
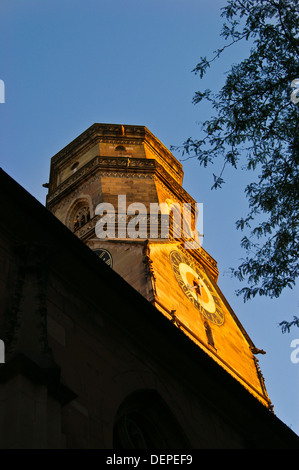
<point>119,190</point>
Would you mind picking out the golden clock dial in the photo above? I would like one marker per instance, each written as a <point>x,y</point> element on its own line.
<point>197,287</point>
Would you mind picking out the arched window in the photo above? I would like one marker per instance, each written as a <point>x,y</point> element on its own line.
<point>144,421</point>
<point>120,148</point>
<point>81,217</point>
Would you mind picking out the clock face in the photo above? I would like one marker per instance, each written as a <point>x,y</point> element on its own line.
<point>197,287</point>
<point>105,255</point>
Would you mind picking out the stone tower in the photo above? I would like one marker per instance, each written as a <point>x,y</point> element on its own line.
<point>104,186</point>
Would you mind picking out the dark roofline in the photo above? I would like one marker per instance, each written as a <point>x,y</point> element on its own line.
<point>170,347</point>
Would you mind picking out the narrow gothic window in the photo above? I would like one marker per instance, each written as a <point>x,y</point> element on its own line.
<point>209,334</point>
<point>82,216</point>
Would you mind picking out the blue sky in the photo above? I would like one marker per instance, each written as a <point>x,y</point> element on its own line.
<point>67,64</point>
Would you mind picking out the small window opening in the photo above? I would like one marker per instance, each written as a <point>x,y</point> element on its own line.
<point>75,167</point>
<point>120,148</point>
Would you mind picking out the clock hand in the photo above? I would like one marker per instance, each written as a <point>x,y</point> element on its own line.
<point>197,287</point>
<point>190,287</point>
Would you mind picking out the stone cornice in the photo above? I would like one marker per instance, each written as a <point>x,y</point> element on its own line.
<point>119,134</point>
<point>121,167</point>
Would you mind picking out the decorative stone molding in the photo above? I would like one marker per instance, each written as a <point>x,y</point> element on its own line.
<point>26,317</point>
<point>149,271</point>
